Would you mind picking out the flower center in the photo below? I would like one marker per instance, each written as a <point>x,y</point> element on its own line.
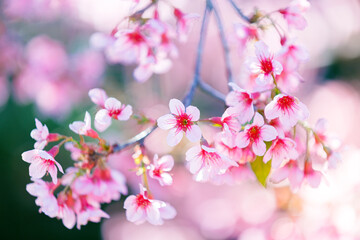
<point>183,122</point>
<point>135,37</point>
<point>157,172</point>
<point>142,202</point>
<point>266,65</point>
<point>253,133</point>
<point>286,102</point>
<point>246,98</point>
<point>114,113</point>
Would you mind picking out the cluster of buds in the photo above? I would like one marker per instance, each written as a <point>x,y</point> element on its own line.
<point>263,131</point>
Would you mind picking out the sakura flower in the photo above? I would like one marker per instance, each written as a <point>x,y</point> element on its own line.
<point>312,177</point>
<point>264,66</point>
<point>183,23</point>
<point>241,102</point>
<point>229,118</point>
<point>291,171</point>
<point>225,143</point>
<point>40,134</point>
<point>84,128</point>
<point>205,163</point>
<point>41,162</point>
<point>255,135</point>
<point>112,109</point>
<point>142,207</point>
<point>45,196</point>
<point>280,150</point>
<point>245,33</point>
<point>66,203</point>
<point>288,109</point>
<point>160,168</point>
<point>293,14</point>
<point>151,64</point>
<point>293,54</point>
<point>88,210</point>
<point>98,96</point>
<point>180,120</point>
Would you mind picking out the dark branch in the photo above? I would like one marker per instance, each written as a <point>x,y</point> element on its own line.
<point>238,10</point>
<point>211,91</point>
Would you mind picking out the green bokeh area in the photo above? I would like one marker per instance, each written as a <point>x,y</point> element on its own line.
<point>20,218</point>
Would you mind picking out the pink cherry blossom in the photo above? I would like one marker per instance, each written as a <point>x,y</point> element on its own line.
<point>180,120</point>
<point>280,150</point>
<point>244,33</point>
<point>241,102</point>
<point>288,109</point>
<point>84,128</point>
<point>160,168</point>
<point>40,134</point>
<point>142,207</point>
<point>88,210</point>
<point>205,162</point>
<point>291,171</point>
<point>112,109</point>
<point>225,143</point>
<point>75,151</point>
<point>66,203</point>
<point>265,67</point>
<point>312,177</point>
<point>151,64</point>
<point>294,14</point>
<point>41,162</point>
<point>98,96</point>
<point>184,22</point>
<point>255,135</point>
<point>228,118</point>
<point>293,54</point>
<point>45,196</point>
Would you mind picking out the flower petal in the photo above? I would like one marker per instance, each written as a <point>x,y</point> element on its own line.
<point>194,133</point>
<point>174,137</point>
<point>193,113</point>
<point>176,107</point>
<point>166,122</point>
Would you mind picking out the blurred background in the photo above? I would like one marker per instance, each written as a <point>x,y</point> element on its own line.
<point>47,67</point>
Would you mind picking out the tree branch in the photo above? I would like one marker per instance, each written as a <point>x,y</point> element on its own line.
<point>238,10</point>
<point>189,96</point>
<point>211,91</point>
<point>225,46</point>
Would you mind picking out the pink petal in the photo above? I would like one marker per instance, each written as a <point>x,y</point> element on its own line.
<point>193,153</point>
<point>143,72</point>
<point>296,177</point>
<point>278,68</point>
<point>304,111</point>
<point>37,169</point>
<point>258,119</point>
<point>87,121</point>
<point>194,133</point>
<point>268,133</point>
<point>193,113</point>
<point>166,179</point>
<point>166,162</point>
<point>268,156</point>
<point>166,122</point>
<point>77,127</point>
<point>174,137</point>
<point>271,110</point>
<point>98,96</point>
<point>176,107</point>
<point>53,173</point>
<point>153,215</point>
<point>112,103</point>
<point>167,212</point>
<point>125,113</point>
<point>259,148</point>
<point>242,140</point>
<point>102,120</point>
<point>261,50</point>
<point>195,165</point>
<point>314,179</point>
<point>279,175</point>
<point>28,156</point>
<point>69,218</point>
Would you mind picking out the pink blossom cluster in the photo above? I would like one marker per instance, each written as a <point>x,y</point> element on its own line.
<point>147,42</point>
<point>263,131</point>
<point>56,85</point>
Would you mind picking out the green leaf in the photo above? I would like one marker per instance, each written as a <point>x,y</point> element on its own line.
<point>261,169</point>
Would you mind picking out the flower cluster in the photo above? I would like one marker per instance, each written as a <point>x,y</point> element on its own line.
<point>262,133</point>
<point>147,42</point>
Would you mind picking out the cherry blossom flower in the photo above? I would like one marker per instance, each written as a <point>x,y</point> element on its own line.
<point>112,109</point>
<point>66,203</point>
<point>280,150</point>
<point>312,176</point>
<point>241,102</point>
<point>88,210</point>
<point>180,120</point>
<point>229,118</point>
<point>160,168</point>
<point>288,109</point>
<point>45,196</point>
<point>245,33</point>
<point>264,66</point>
<point>225,143</point>
<point>291,171</point>
<point>151,64</point>
<point>142,207</point>
<point>293,54</point>
<point>184,22</point>
<point>294,14</point>
<point>40,134</point>
<point>98,96</point>
<point>41,162</point>
<point>255,135</point>
<point>84,128</point>
<point>205,162</point>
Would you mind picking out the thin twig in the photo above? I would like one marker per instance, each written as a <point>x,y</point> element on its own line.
<point>139,138</point>
<point>211,91</point>
<point>238,10</point>
<point>189,96</point>
<point>225,46</point>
